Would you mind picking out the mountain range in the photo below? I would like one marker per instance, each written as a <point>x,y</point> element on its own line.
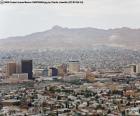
<point>73,38</point>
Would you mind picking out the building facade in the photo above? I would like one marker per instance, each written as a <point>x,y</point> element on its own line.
<point>27,67</point>
<point>52,71</point>
<point>73,66</point>
<point>10,68</point>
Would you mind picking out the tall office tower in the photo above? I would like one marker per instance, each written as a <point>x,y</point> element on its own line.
<point>10,68</point>
<point>73,66</point>
<point>27,67</point>
<point>18,67</point>
<point>62,69</point>
<point>52,71</point>
<point>133,68</point>
<point>138,69</point>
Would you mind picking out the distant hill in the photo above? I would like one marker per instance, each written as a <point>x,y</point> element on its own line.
<point>59,37</point>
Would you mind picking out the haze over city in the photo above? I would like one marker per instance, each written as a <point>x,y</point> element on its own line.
<point>70,59</point>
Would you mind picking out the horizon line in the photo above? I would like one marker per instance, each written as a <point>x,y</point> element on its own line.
<point>58,26</point>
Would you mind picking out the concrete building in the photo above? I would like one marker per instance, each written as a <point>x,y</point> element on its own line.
<point>10,68</point>
<point>73,66</point>
<point>38,72</point>
<point>52,71</point>
<point>18,67</point>
<point>62,69</point>
<point>45,72</point>
<point>27,67</point>
<point>138,69</point>
<point>127,70</point>
<point>133,69</point>
<point>17,78</point>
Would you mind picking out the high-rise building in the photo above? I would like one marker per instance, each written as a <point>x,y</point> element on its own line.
<point>52,71</point>
<point>138,69</point>
<point>10,68</point>
<point>62,69</point>
<point>18,67</point>
<point>26,67</point>
<point>73,66</point>
<point>133,69</point>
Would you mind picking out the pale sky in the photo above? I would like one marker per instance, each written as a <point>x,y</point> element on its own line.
<point>22,19</point>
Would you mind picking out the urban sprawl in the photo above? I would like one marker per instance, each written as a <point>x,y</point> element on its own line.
<point>68,89</point>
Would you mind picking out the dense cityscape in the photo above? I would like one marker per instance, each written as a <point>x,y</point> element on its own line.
<point>70,59</point>
<point>60,72</point>
<point>32,87</point>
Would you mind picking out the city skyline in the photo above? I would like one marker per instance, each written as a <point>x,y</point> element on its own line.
<point>70,59</point>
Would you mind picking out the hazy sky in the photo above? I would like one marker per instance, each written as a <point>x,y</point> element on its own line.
<point>19,19</point>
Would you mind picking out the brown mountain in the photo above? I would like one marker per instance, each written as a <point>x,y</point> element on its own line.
<point>59,37</point>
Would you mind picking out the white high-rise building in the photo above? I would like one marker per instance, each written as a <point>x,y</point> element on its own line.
<point>133,69</point>
<point>18,67</point>
<point>73,66</point>
<point>138,68</point>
